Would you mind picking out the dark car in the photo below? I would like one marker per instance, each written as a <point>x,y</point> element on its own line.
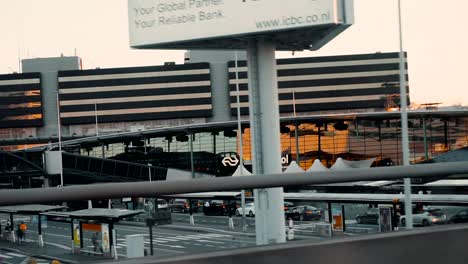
<point>215,207</point>
<point>460,217</point>
<point>304,213</point>
<point>182,206</point>
<point>288,205</point>
<point>370,217</point>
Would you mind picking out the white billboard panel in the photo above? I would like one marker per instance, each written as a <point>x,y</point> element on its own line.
<point>159,22</point>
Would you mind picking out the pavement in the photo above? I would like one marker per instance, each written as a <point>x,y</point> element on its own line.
<point>51,252</point>
<point>31,249</point>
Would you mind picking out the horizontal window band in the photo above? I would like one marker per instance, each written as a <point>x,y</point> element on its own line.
<point>20,76</point>
<point>327,94</point>
<point>321,100</point>
<point>136,81</point>
<point>322,106</point>
<point>133,75</point>
<point>324,66</point>
<point>19,99</point>
<point>136,105</point>
<point>317,72</point>
<point>124,70</point>
<point>21,111</point>
<point>20,93</point>
<point>161,109</point>
<point>19,88</point>
<point>319,89</point>
<point>329,82</point>
<point>339,58</point>
<point>123,91</point>
<point>8,107</point>
<point>327,76</point>
<point>136,99</point>
<point>135,117</point>
<point>21,123</point>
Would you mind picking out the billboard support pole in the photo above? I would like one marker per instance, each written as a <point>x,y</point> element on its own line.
<point>266,145</point>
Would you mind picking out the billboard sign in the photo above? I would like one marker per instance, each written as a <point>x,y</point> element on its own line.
<point>160,23</point>
<point>385,219</point>
<point>337,214</point>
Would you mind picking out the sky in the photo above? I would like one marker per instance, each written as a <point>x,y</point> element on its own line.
<point>97,31</point>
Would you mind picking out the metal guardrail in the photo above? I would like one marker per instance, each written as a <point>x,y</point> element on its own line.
<point>444,244</point>
<point>159,188</point>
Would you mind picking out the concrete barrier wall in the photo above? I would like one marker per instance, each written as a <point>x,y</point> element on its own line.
<point>444,244</point>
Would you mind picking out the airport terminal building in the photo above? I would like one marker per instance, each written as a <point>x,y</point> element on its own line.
<point>330,107</point>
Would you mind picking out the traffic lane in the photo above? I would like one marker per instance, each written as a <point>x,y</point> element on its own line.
<point>222,222</point>
<point>185,241</point>
<point>8,257</point>
<point>165,241</point>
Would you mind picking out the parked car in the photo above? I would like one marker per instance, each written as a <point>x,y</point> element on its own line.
<point>460,217</point>
<point>214,207</point>
<point>303,213</point>
<point>249,210</point>
<point>288,205</point>
<point>426,217</point>
<point>370,217</point>
<point>182,206</point>
<point>162,204</point>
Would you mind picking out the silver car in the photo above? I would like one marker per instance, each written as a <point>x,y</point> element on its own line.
<point>428,216</point>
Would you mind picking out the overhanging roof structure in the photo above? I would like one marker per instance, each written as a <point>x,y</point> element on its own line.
<point>30,208</point>
<point>97,214</point>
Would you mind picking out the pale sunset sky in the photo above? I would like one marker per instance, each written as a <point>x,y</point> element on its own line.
<point>435,36</point>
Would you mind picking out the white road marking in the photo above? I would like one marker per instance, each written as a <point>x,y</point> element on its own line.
<point>211,241</point>
<point>58,245</point>
<point>159,241</point>
<point>5,256</point>
<point>171,246</point>
<point>16,255</point>
<point>167,239</point>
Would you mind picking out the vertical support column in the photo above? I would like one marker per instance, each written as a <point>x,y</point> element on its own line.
<point>298,150</point>
<point>39,231</point>
<point>319,147</point>
<point>446,144</point>
<point>192,169</point>
<point>330,215</point>
<point>343,215</point>
<point>13,237</point>
<point>266,145</point>
<point>150,226</point>
<point>113,240</point>
<point>81,234</point>
<point>72,229</point>
<point>426,152</point>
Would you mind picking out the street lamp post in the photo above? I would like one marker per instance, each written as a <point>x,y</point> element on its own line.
<point>404,124</point>
<point>96,118</point>
<point>149,171</point>
<point>59,138</point>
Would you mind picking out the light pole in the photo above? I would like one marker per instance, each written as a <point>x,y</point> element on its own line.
<point>96,118</point>
<point>404,124</point>
<point>149,170</point>
<point>59,138</point>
